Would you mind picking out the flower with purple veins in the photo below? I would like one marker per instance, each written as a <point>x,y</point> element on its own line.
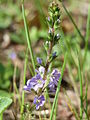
<point>55,75</point>
<point>35,83</point>
<point>39,60</point>
<point>39,101</point>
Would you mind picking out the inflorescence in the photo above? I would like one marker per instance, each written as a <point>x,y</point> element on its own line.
<point>44,78</point>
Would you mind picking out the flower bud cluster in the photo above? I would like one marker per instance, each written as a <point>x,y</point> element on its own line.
<point>53,21</point>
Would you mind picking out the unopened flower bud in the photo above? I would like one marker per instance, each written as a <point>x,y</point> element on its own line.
<point>58,36</point>
<point>58,21</point>
<point>49,19</point>
<point>39,60</point>
<point>46,45</point>
<point>54,54</point>
<point>50,31</point>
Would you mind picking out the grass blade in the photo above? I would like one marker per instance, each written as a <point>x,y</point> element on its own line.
<point>58,87</point>
<point>28,37</point>
<point>55,111</point>
<point>25,67</point>
<point>81,90</point>
<point>86,100</point>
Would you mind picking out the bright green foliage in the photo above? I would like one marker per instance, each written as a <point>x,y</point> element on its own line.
<point>4,103</point>
<point>28,37</point>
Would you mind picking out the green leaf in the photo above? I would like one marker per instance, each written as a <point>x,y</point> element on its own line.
<point>4,103</point>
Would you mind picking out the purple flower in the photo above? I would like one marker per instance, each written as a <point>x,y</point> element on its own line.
<point>12,56</point>
<point>39,101</point>
<point>35,83</point>
<point>39,60</point>
<point>55,75</point>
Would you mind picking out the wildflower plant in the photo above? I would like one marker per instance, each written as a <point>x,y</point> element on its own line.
<point>44,77</point>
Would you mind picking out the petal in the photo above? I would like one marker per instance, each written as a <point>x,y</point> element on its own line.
<point>41,97</point>
<point>37,107</point>
<point>41,69</point>
<point>28,82</point>
<point>35,87</point>
<point>38,76</point>
<point>42,103</point>
<point>36,71</point>
<point>40,85</point>
<point>27,88</point>
<point>35,100</point>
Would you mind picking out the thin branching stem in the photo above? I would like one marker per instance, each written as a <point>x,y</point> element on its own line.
<point>47,61</point>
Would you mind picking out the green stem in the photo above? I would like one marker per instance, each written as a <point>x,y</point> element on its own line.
<point>58,87</point>
<point>28,37</point>
<point>86,100</point>
<point>25,66</point>
<point>81,91</point>
<point>78,31</point>
<point>48,98</point>
<point>55,111</point>
<point>15,89</point>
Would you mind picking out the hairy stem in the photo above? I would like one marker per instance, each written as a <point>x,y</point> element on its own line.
<point>47,62</point>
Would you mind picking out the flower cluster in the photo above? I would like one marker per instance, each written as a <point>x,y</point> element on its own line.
<point>37,84</point>
<point>44,78</point>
